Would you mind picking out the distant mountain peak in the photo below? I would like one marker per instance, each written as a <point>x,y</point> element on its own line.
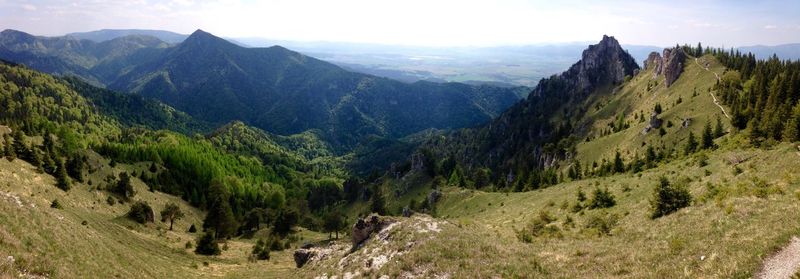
<point>205,39</point>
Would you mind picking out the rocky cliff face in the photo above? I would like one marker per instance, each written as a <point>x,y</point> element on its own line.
<point>600,64</point>
<point>671,64</point>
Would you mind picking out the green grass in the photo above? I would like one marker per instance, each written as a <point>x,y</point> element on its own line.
<point>53,242</point>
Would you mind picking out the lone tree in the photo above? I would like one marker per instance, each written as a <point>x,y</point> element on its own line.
<point>141,212</point>
<point>207,245</point>
<point>707,139</point>
<point>124,186</point>
<point>669,198</point>
<point>171,212</point>
<point>62,179</point>
<point>220,216</point>
<point>378,201</point>
<point>602,199</point>
<point>9,148</point>
<point>691,144</point>
<point>334,222</point>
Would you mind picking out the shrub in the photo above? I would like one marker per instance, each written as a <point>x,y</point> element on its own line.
<point>192,229</point>
<point>602,198</point>
<point>260,250</point>
<point>602,222</point>
<point>539,226</point>
<point>669,198</point>
<point>189,244</point>
<point>56,204</point>
<point>141,212</point>
<point>207,245</point>
<point>111,201</point>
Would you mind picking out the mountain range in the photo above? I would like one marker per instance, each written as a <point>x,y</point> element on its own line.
<point>272,88</point>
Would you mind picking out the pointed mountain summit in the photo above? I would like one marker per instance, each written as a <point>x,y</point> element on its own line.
<point>527,135</point>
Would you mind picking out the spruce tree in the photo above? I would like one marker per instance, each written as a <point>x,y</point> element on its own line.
<point>220,216</point>
<point>8,150</point>
<point>619,166</point>
<point>707,139</point>
<point>378,202</point>
<point>62,179</point>
<point>691,144</point>
<point>791,131</point>
<point>718,128</point>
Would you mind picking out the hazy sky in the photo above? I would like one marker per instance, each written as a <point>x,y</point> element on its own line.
<point>427,22</point>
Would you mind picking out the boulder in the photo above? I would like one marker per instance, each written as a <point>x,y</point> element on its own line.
<point>654,123</point>
<point>686,122</point>
<point>301,256</point>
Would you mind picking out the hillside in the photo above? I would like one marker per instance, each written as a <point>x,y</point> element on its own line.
<point>275,89</point>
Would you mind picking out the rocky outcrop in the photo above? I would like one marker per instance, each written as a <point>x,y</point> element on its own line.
<point>301,256</point>
<point>364,227</point>
<point>654,123</point>
<point>600,64</point>
<point>670,64</point>
<point>673,64</point>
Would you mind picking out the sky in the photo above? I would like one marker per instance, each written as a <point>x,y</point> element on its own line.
<point>725,23</point>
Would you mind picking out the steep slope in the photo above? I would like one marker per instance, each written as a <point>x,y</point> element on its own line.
<point>536,132</point>
<point>92,61</point>
<point>286,92</point>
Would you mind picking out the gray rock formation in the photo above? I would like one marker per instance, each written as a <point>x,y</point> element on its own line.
<point>600,64</point>
<point>670,64</point>
<point>654,123</point>
<point>673,64</point>
<point>365,227</point>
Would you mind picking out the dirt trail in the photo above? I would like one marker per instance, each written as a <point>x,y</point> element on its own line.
<point>712,93</point>
<point>783,264</point>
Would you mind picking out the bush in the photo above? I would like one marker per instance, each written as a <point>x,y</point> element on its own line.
<point>141,212</point>
<point>55,204</point>
<point>192,229</point>
<point>207,245</point>
<point>669,198</point>
<point>539,226</point>
<point>260,250</point>
<point>111,201</point>
<point>602,198</point>
<point>602,222</point>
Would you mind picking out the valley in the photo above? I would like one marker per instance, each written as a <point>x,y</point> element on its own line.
<point>150,153</point>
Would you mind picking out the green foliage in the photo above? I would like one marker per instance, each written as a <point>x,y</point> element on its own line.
<point>601,198</point>
<point>141,212</point>
<point>171,212</point>
<point>707,138</point>
<point>541,226</point>
<point>192,229</point>
<point>602,222</point>
<point>124,187</point>
<point>334,222</point>
<point>260,250</point>
<point>62,179</point>
<point>220,216</point>
<point>668,198</point>
<point>377,203</point>
<point>207,245</point>
<point>691,144</point>
<point>56,204</point>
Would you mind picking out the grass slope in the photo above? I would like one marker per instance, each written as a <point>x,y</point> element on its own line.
<point>54,242</point>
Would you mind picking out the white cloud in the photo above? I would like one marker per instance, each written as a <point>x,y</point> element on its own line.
<point>770,26</point>
<point>29,7</point>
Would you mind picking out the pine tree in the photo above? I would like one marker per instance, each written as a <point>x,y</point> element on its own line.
<point>62,179</point>
<point>220,216</point>
<point>718,128</point>
<point>75,168</point>
<point>619,166</point>
<point>707,138</point>
<point>20,148</point>
<point>691,144</point>
<point>124,186</point>
<point>791,131</point>
<point>9,149</point>
<point>171,212</point>
<point>378,202</point>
